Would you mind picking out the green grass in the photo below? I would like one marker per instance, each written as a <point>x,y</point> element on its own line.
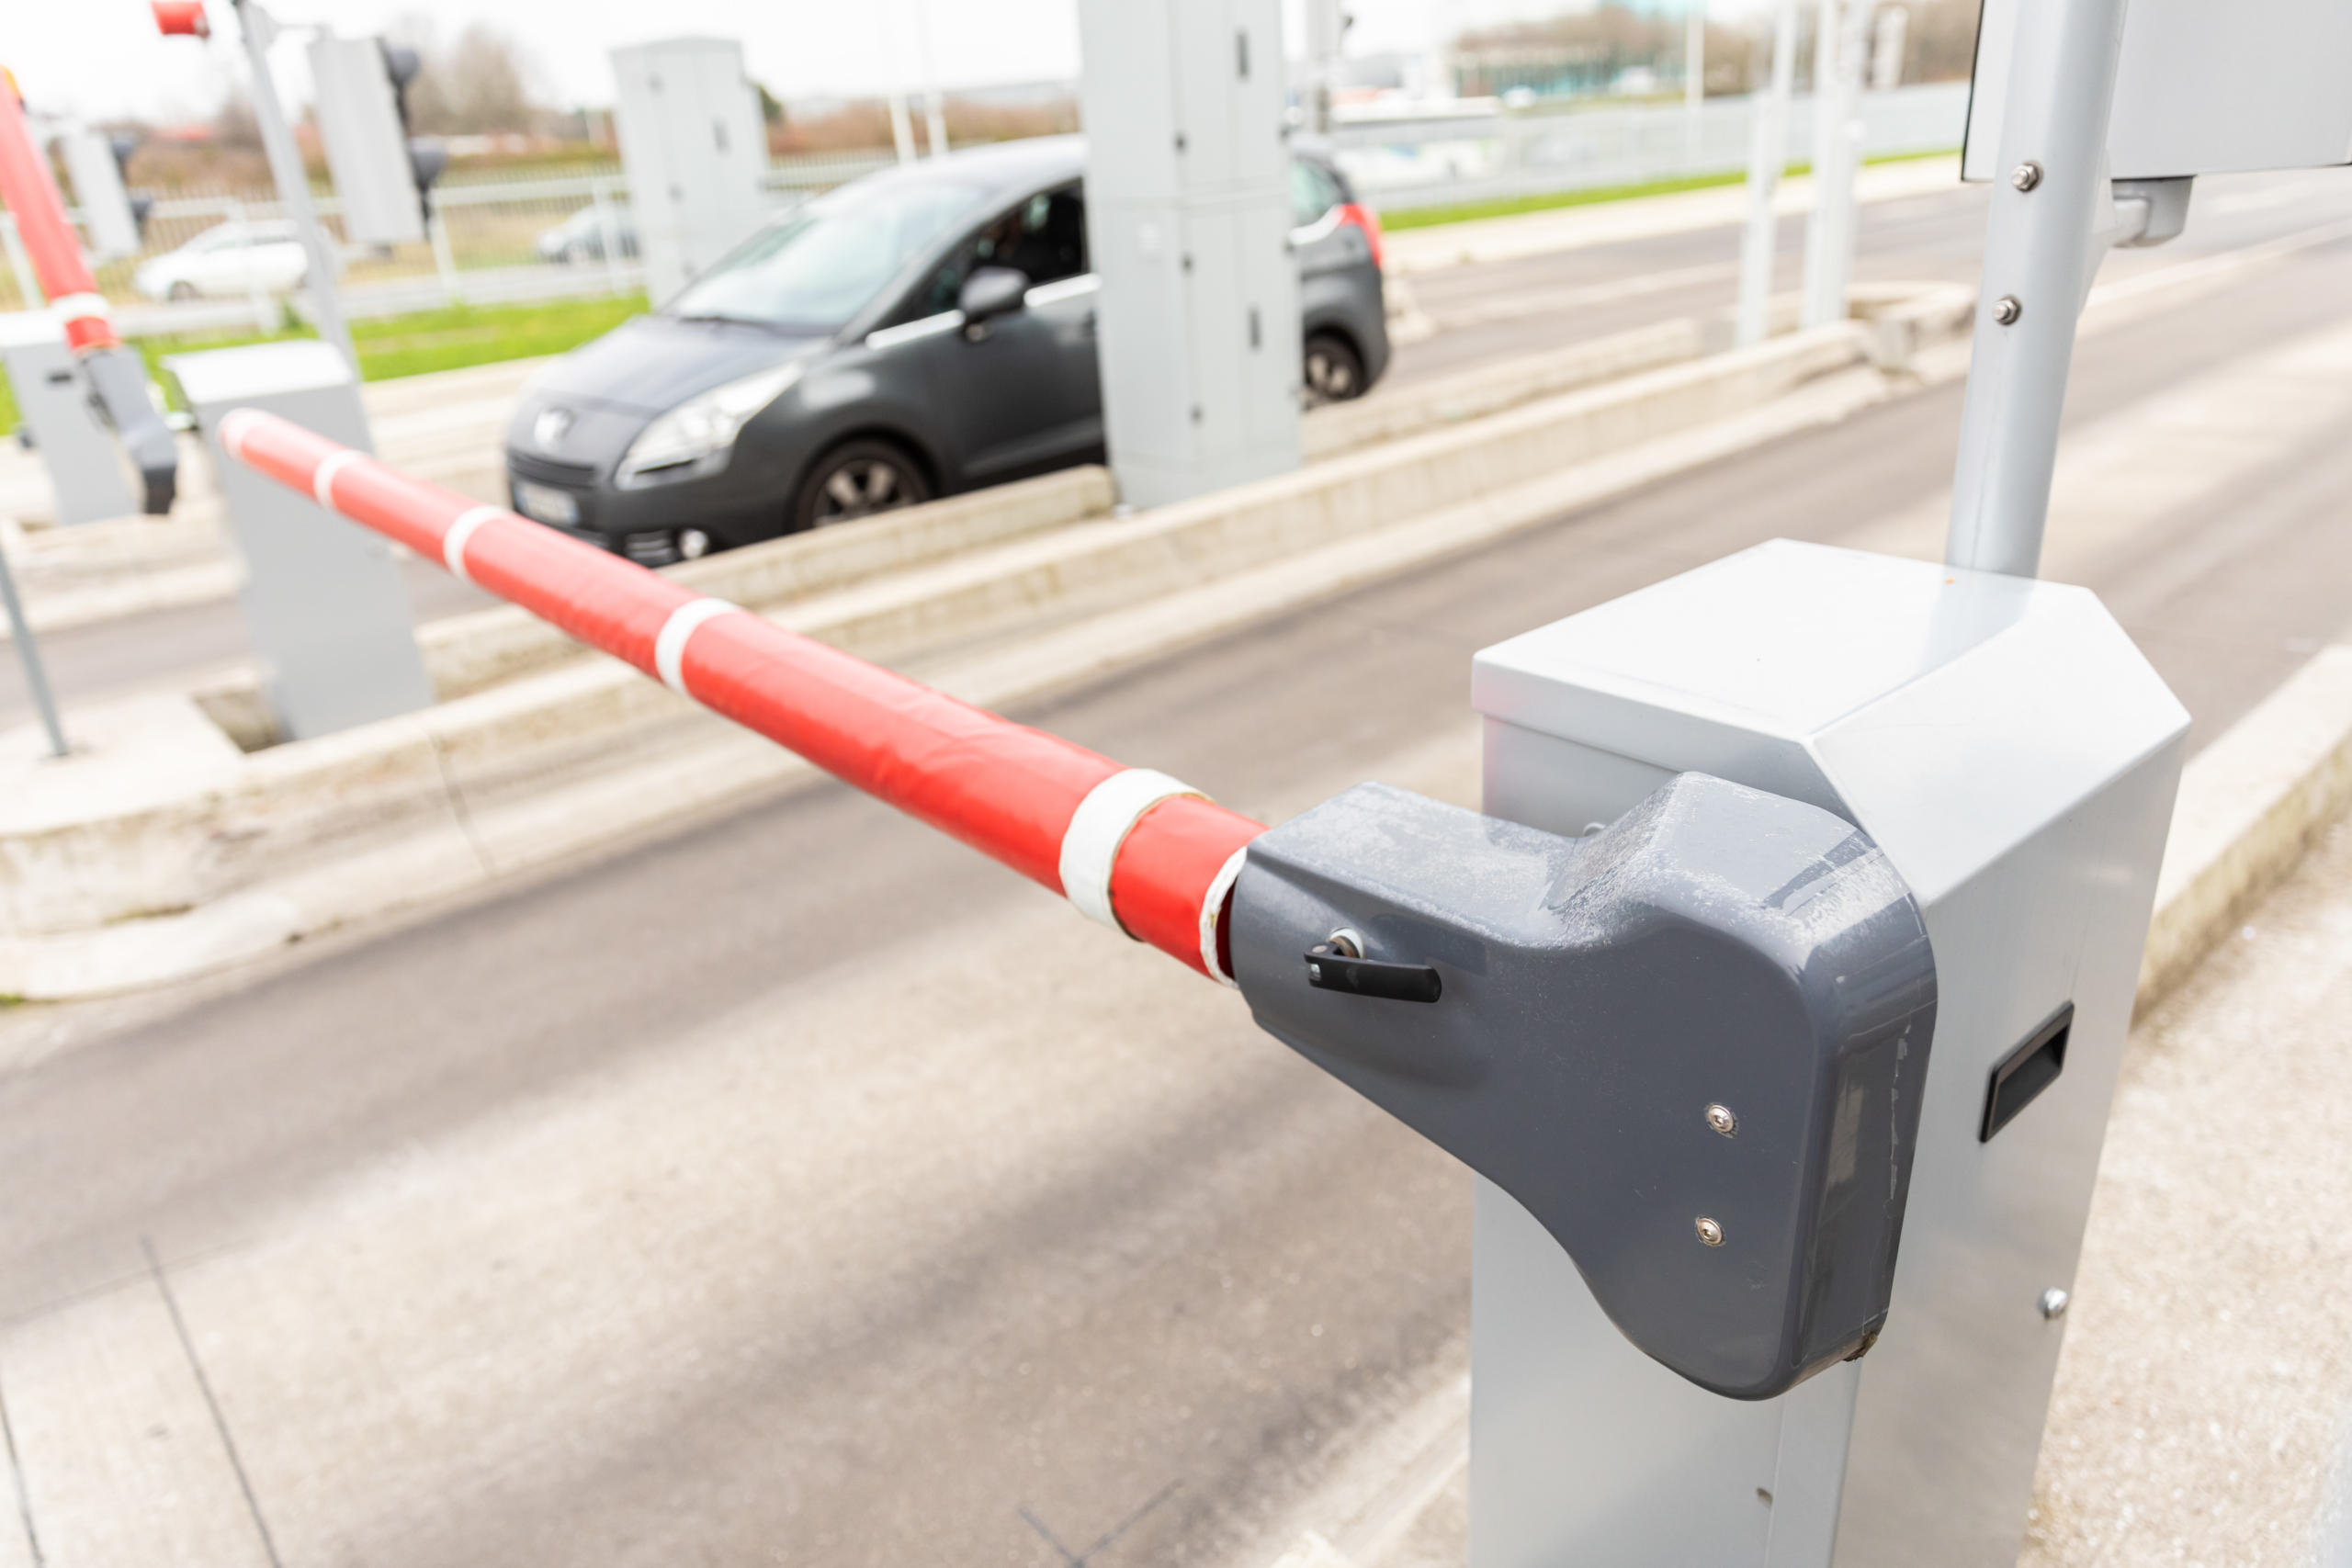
<point>450,339</point>
<point>1429,216</point>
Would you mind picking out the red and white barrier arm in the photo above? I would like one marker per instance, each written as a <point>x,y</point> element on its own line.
<point>31,191</point>
<point>1134,849</point>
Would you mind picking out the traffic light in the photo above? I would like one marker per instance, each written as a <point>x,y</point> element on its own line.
<point>427,159</point>
<point>122,144</point>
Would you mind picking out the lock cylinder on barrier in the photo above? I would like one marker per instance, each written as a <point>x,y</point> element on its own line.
<point>1690,1044</point>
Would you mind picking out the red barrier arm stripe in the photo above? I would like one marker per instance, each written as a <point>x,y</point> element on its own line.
<point>1005,789</point>
<point>32,193</point>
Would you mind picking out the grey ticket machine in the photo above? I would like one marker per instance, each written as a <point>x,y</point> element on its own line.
<point>1777,998</point>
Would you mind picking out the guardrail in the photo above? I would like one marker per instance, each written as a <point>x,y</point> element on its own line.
<point>493,242</point>
<point>1425,161</point>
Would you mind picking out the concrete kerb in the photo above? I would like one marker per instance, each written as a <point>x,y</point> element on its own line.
<point>473,652</point>
<point>261,848</point>
<point>2250,804</point>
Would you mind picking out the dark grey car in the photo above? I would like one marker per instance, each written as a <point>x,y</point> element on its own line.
<point>818,374</point>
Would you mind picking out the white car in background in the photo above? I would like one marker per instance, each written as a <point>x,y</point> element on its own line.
<point>228,261</point>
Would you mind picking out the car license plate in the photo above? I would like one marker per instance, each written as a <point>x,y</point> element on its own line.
<point>560,507</point>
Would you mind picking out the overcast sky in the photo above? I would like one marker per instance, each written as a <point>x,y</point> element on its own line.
<point>797,47</point>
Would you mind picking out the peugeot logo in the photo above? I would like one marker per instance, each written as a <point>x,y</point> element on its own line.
<point>551,428</point>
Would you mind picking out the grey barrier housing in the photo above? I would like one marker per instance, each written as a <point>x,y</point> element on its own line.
<point>86,475</point>
<point>1691,1044</point>
<point>78,407</point>
<point>2013,757</point>
<point>322,599</point>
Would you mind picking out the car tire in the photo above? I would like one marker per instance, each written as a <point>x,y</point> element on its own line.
<point>858,479</point>
<point>1334,369</point>
<point>181,292</point>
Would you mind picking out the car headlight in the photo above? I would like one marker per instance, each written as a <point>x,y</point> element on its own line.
<point>698,435</point>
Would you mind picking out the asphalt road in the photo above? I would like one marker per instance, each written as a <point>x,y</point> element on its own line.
<point>800,1188</point>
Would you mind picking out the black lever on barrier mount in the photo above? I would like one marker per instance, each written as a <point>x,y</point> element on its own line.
<point>1692,1045</point>
<point>1329,969</point>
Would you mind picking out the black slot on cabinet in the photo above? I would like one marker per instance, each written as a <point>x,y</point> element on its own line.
<point>2024,1072</point>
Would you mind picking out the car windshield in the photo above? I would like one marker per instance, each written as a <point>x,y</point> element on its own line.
<point>818,267</point>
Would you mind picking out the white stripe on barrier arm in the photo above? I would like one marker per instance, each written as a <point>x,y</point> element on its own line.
<point>453,542</point>
<point>323,480</point>
<point>669,647</point>
<point>1212,909</point>
<point>81,308</point>
<point>1101,823</point>
<point>231,432</point>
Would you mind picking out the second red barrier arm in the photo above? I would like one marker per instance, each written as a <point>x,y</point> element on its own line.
<point>1134,849</point>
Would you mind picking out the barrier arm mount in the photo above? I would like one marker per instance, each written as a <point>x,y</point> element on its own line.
<point>118,377</point>
<point>1692,1043</point>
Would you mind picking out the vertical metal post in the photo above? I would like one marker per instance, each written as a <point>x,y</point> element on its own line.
<point>1767,150</point>
<point>28,654</point>
<point>293,180</point>
<point>265,316</point>
<point>1326,28</point>
<point>1694,55</point>
<point>609,233</point>
<point>445,261</point>
<point>902,125</point>
<point>2039,252</point>
<point>1837,156</point>
<point>1825,151</point>
<point>934,104</point>
<point>28,285</point>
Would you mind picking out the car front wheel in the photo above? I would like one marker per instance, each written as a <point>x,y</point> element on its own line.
<point>858,480</point>
<point>183,290</point>
<point>1334,369</point>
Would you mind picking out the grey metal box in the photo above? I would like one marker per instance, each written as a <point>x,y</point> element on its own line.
<point>2199,88</point>
<point>359,122</point>
<point>98,191</point>
<point>2016,757</point>
<point>1188,225</point>
<point>695,148</point>
<point>87,478</point>
<point>324,602</point>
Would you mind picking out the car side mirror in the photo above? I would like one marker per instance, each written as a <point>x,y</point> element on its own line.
<point>992,291</point>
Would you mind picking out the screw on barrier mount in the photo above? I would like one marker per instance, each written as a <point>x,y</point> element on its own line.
<point>1566,1015</point>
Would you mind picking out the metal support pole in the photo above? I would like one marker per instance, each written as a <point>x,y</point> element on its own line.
<point>1825,150</point>
<point>609,233</point>
<point>902,125</point>
<point>28,285</point>
<point>293,181</point>
<point>1837,156</point>
<point>1325,26</point>
<point>28,654</point>
<point>2039,250</point>
<point>264,313</point>
<point>1767,150</point>
<point>445,261</point>
<point>934,104</point>
<point>1694,56</point>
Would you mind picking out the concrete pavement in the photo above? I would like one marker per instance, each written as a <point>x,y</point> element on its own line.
<point>2205,1390</point>
<point>796,1187</point>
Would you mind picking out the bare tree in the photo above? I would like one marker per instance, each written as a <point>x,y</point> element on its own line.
<point>481,80</point>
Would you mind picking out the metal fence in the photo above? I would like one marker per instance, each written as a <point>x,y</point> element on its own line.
<point>1440,160</point>
<point>495,239</point>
